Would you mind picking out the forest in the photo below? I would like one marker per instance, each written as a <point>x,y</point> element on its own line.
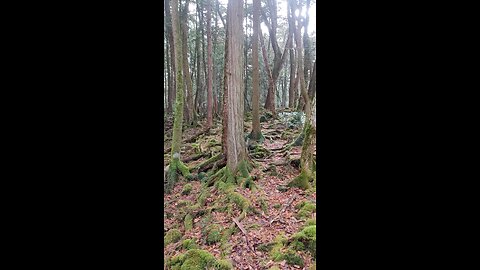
<point>239,134</point>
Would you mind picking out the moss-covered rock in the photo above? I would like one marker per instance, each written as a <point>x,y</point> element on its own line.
<point>197,259</point>
<point>172,236</point>
<point>187,189</point>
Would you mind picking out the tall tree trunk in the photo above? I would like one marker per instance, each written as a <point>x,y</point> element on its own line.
<point>186,70</point>
<point>256,133</point>
<point>176,164</point>
<point>168,22</point>
<point>199,93</point>
<point>236,150</point>
<point>306,44</point>
<point>209,66</point>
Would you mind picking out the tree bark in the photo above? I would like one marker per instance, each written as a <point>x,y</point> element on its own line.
<point>175,163</point>
<point>256,132</point>
<point>236,150</point>
<point>209,66</point>
<point>186,70</point>
<point>168,22</point>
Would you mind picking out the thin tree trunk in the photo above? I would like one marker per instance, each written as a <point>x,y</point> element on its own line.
<point>256,132</point>
<point>186,70</point>
<point>210,66</point>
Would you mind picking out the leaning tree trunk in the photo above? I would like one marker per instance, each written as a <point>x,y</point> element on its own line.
<point>176,164</point>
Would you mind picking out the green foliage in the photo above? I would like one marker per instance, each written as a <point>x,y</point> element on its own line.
<point>187,189</point>
<point>223,265</point>
<point>277,206</point>
<point>172,236</point>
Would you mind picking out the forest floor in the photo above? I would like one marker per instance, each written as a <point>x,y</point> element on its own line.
<point>275,208</point>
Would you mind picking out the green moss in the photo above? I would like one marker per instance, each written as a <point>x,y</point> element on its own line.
<point>183,169</point>
<point>202,198</point>
<point>274,268</point>
<point>189,244</point>
<point>172,236</point>
<point>202,176</point>
<point>300,181</point>
<point>308,237</point>
<point>188,222</point>
<point>293,258</point>
<point>264,205</point>
<point>183,203</point>
<point>213,234</point>
<point>196,259</point>
<point>223,265</point>
<point>277,206</point>
<point>265,247</point>
<point>310,222</point>
<point>276,253</point>
<point>306,210</point>
<point>187,189</point>
<point>242,202</point>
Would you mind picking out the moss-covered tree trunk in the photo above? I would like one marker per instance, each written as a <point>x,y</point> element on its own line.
<point>176,164</point>
<point>171,52</point>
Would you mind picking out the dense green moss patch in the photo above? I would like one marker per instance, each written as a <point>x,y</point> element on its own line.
<point>197,259</point>
<point>172,236</point>
<point>306,210</point>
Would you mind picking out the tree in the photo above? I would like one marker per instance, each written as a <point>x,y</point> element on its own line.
<point>171,52</point>
<point>279,57</point>
<point>210,66</point>
<point>176,165</point>
<point>186,71</point>
<point>256,133</point>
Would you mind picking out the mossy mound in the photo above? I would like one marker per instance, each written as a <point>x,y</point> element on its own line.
<point>213,234</point>
<point>310,222</point>
<point>306,239</point>
<point>188,222</point>
<point>189,244</point>
<point>306,210</point>
<point>172,236</point>
<point>187,189</point>
<point>197,259</point>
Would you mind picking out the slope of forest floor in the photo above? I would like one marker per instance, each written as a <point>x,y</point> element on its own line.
<point>276,208</point>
